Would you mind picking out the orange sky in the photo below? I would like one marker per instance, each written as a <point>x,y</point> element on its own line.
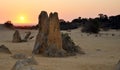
<point>68,9</point>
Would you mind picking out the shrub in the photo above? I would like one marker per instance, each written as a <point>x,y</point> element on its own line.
<point>91,26</point>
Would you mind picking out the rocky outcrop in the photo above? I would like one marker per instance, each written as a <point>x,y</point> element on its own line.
<point>16,37</point>
<point>27,36</point>
<point>4,49</point>
<point>54,36</point>
<point>54,41</point>
<point>25,64</point>
<point>31,37</point>
<point>49,40</point>
<point>69,46</point>
<point>41,39</point>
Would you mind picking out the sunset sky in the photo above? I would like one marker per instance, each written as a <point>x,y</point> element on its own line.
<point>22,12</point>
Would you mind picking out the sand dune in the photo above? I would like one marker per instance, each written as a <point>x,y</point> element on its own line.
<point>102,53</point>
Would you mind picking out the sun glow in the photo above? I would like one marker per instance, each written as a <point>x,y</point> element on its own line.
<point>22,19</point>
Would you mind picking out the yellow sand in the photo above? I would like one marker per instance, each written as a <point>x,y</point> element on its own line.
<point>102,53</point>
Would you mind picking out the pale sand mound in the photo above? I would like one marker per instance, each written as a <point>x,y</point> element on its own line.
<point>102,53</point>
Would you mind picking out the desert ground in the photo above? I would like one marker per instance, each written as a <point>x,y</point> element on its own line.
<point>102,52</point>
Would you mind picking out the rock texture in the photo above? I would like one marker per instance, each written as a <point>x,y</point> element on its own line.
<point>16,37</point>
<point>31,37</point>
<point>49,40</point>
<point>4,49</point>
<point>19,56</point>
<point>118,65</point>
<point>54,37</point>
<point>27,36</point>
<point>41,39</point>
<point>25,64</point>
<point>69,46</point>
<point>31,61</point>
<point>21,65</point>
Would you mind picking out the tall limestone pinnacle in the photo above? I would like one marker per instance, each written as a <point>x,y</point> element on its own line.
<point>41,39</point>
<point>54,36</point>
<point>54,39</point>
<point>49,40</point>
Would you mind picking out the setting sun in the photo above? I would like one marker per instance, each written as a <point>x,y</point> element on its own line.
<point>22,19</point>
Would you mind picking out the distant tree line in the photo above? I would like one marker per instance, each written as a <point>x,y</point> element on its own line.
<point>89,25</point>
<point>92,25</point>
